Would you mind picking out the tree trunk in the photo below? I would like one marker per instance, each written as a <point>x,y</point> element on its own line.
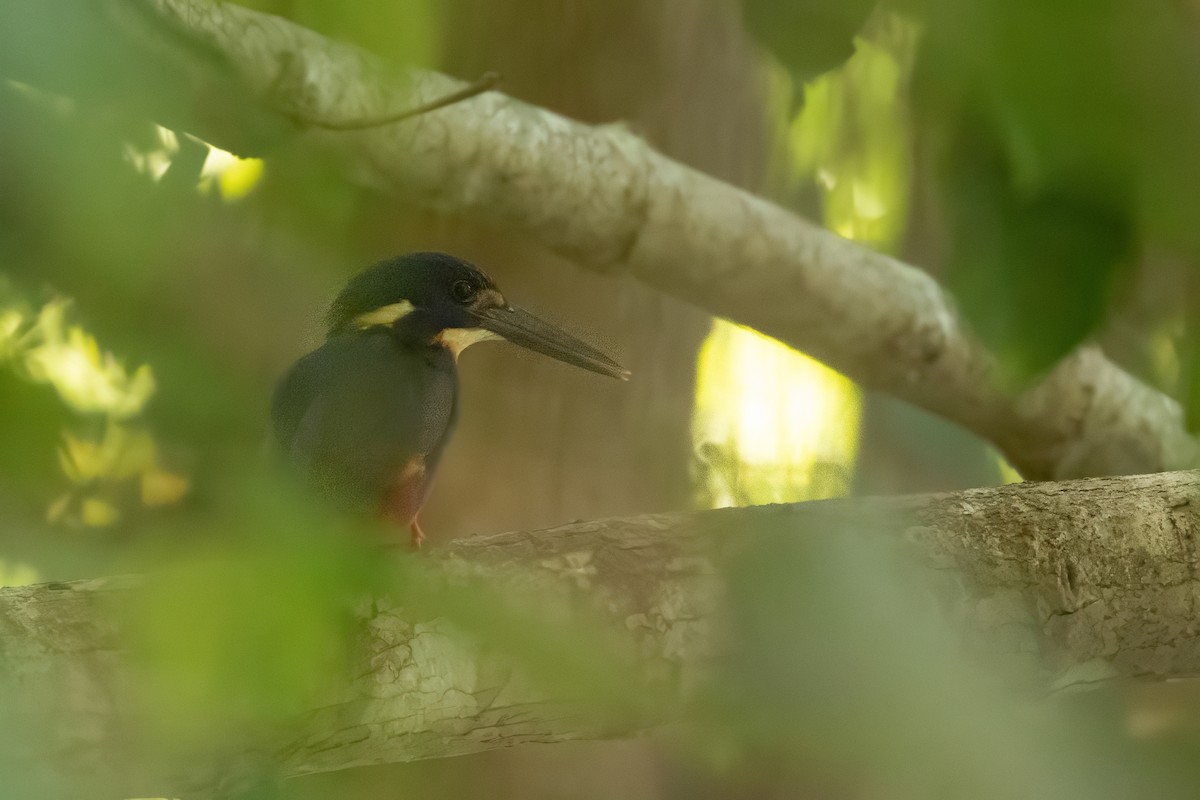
<point>558,444</point>
<point>570,446</point>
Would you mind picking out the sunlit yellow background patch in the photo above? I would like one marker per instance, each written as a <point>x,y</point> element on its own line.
<point>110,461</point>
<point>233,177</point>
<point>230,176</point>
<point>771,424</point>
<point>111,458</point>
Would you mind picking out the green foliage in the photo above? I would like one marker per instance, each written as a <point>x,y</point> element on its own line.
<point>808,37</point>
<point>234,636</point>
<point>1059,138</point>
<point>1033,269</point>
<point>1062,134</point>
<point>853,136</point>
<point>846,672</point>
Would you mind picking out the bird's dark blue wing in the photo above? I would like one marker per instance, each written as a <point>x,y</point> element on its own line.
<point>355,412</point>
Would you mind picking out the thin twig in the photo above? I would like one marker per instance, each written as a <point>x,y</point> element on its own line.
<point>488,81</point>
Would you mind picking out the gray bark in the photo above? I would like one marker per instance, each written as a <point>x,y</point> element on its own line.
<point>1072,580</point>
<point>602,198</point>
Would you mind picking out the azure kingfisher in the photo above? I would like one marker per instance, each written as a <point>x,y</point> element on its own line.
<point>366,416</point>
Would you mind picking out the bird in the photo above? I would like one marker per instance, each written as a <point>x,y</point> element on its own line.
<point>364,418</point>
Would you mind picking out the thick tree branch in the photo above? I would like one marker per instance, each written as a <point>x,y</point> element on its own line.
<point>602,197</point>
<point>1060,575</point>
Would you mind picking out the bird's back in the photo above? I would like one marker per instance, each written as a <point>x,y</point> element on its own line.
<point>363,414</point>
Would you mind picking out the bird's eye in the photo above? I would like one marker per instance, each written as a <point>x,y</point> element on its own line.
<point>463,291</point>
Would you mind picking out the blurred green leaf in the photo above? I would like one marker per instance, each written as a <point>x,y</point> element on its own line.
<point>847,666</point>
<point>241,638</point>
<point>245,618</point>
<point>808,37</point>
<point>1033,270</point>
<point>1065,134</point>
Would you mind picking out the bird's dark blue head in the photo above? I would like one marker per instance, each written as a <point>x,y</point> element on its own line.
<point>446,290</point>
<point>444,300</point>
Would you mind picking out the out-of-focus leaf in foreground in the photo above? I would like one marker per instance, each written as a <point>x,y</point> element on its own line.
<point>107,454</point>
<point>276,614</point>
<point>845,671</point>
<point>247,621</point>
<point>1034,269</point>
<point>808,37</point>
<point>1063,133</point>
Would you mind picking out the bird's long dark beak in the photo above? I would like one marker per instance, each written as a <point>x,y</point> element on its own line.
<point>521,327</point>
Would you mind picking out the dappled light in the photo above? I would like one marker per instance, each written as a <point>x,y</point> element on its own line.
<point>114,449</point>
<point>18,573</point>
<point>87,379</point>
<point>232,177</point>
<point>852,137</point>
<point>771,425</point>
<point>154,161</point>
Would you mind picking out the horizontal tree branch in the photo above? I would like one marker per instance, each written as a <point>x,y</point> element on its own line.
<point>603,198</point>
<point>1056,576</point>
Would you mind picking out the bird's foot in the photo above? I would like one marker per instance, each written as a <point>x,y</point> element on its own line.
<point>418,535</point>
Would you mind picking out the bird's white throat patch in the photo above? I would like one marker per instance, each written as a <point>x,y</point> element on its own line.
<point>459,339</point>
<point>385,315</point>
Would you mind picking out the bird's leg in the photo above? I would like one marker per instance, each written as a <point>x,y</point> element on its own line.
<point>418,535</point>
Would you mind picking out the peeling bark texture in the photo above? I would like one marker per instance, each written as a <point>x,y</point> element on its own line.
<point>1076,581</point>
<point>601,197</point>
